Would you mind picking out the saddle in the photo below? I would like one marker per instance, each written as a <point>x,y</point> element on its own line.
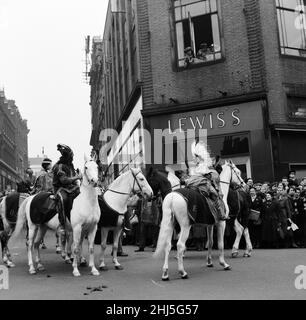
<point>43,208</point>
<point>109,217</point>
<point>199,210</point>
<point>12,205</point>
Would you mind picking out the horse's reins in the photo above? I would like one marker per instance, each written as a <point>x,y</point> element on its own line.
<point>124,193</point>
<point>239,178</point>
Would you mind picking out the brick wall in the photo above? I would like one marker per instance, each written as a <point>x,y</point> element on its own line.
<point>236,75</point>
<point>280,70</point>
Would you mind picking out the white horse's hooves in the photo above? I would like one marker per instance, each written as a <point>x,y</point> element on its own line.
<point>32,271</point>
<point>184,275</point>
<point>10,264</point>
<point>103,268</point>
<point>227,268</point>
<point>235,254</point>
<point>76,273</point>
<point>210,265</point>
<point>40,267</point>
<point>247,254</point>
<point>95,273</point>
<point>58,250</point>
<point>165,279</point>
<point>118,267</point>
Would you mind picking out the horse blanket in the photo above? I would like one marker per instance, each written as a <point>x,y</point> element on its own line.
<point>109,217</point>
<point>12,205</point>
<point>199,210</point>
<point>43,208</point>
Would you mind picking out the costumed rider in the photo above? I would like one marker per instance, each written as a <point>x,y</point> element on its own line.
<point>29,181</point>
<point>66,184</point>
<point>44,181</point>
<point>206,180</point>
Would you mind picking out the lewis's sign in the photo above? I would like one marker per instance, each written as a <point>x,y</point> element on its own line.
<point>221,120</point>
<point>206,121</point>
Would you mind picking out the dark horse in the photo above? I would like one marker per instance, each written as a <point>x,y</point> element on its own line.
<point>240,204</point>
<point>8,216</point>
<point>158,180</point>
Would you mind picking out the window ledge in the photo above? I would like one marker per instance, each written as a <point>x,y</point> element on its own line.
<point>287,56</point>
<point>296,118</point>
<point>201,65</point>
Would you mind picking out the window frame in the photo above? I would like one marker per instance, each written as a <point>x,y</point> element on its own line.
<point>174,22</point>
<point>278,9</point>
<point>290,115</point>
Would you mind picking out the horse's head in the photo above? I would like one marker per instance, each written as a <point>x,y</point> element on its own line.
<point>140,183</point>
<point>233,174</point>
<point>91,171</point>
<point>159,181</point>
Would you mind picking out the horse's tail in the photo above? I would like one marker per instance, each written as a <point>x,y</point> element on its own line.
<point>21,218</point>
<point>3,213</point>
<point>166,228</point>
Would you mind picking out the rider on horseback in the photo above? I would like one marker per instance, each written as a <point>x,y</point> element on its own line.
<point>44,181</point>
<point>29,180</point>
<point>66,187</point>
<point>206,180</point>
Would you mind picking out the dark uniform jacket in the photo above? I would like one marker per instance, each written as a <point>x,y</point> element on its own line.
<point>63,178</point>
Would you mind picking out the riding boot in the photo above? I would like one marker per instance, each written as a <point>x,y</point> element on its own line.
<point>1,224</point>
<point>61,216</point>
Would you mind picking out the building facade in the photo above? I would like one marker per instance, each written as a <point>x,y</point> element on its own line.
<point>235,68</point>
<point>13,143</point>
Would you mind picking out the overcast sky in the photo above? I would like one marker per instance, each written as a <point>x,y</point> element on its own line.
<point>42,59</point>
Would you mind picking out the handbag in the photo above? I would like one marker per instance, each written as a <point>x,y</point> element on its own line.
<point>254,215</point>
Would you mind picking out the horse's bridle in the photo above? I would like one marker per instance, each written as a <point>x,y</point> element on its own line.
<point>239,178</point>
<point>133,189</point>
<point>89,182</point>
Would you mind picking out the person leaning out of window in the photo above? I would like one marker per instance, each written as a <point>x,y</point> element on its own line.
<point>189,57</point>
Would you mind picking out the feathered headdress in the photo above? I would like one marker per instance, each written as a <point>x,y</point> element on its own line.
<point>200,153</point>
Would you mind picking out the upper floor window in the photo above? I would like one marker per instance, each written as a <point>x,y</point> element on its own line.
<point>197,31</point>
<point>292,26</point>
<point>297,107</point>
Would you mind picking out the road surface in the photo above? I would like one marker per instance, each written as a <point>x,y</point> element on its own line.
<point>268,274</point>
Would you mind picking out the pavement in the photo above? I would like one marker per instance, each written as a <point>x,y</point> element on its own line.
<point>267,275</point>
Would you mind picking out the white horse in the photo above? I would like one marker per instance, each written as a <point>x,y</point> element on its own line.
<point>85,214</point>
<point>36,233</point>
<point>175,205</point>
<point>116,198</point>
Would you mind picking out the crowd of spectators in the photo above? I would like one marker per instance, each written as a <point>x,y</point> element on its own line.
<point>282,207</point>
<point>281,220</point>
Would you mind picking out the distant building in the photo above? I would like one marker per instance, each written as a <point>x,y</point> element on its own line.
<point>35,164</point>
<point>13,143</point>
<point>235,68</point>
